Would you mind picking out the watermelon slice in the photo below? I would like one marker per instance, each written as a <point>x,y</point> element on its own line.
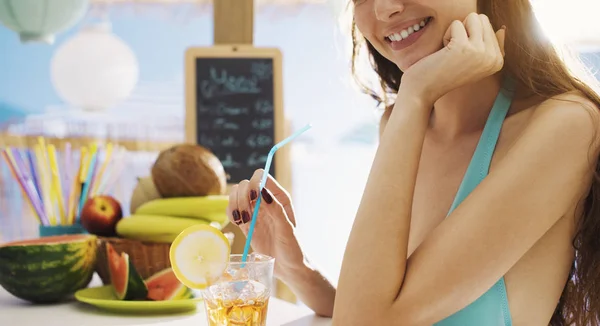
<point>164,285</point>
<point>126,282</point>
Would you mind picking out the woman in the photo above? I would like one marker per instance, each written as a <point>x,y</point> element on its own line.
<point>481,208</point>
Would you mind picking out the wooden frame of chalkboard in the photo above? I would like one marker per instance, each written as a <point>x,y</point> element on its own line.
<point>234,107</point>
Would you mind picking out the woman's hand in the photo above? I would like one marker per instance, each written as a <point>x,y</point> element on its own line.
<point>274,229</point>
<point>472,51</point>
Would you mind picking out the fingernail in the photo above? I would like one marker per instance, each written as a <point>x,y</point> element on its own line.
<point>503,27</point>
<point>236,217</point>
<point>265,194</point>
<point>245,217</point>
<point>253,194</point>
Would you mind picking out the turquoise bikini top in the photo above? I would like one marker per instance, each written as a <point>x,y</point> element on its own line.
<point>491,309</point>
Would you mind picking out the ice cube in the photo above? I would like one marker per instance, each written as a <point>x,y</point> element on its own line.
<point>229,292</point>
<point>247,292</point>
<point>252,257</point>
<point>242,273</point>
<point>241,315</point>
<point>252,291</point>
<point>230,271</point>
<point>224,291</point>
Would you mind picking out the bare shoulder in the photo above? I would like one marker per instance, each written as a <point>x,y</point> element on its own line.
<point>574,106</point>
<point>572,115</point>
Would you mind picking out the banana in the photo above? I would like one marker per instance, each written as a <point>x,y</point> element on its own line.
<point>155,228</point>
<point>211,208</point>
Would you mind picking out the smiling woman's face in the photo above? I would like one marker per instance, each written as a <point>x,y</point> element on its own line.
<point>405,31</point>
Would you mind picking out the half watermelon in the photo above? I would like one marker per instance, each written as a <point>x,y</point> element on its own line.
<point>47,269</point>
<point>126,281</point>
<point>164,285</point>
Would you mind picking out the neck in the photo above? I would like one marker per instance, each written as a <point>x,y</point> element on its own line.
<point>465,109</point>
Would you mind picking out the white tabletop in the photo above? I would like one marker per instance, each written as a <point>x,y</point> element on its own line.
<point>16,312</point>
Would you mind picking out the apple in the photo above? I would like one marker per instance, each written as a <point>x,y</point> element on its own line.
<point>100,215</point>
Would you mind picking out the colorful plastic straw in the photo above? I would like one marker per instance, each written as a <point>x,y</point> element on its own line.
<point>262,185</point>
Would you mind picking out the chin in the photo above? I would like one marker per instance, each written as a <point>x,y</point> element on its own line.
<point>427,44</point>
<point>405,61</point>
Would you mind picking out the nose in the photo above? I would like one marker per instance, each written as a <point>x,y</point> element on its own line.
<point>385,10</point>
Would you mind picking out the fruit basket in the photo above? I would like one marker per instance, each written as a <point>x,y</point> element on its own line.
<point>147,257</point>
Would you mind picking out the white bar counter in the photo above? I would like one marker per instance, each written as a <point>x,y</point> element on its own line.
<point>16,312</point>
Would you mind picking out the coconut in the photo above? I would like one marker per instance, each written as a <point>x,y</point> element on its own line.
<point>188,170</point>
<point>143,192</point>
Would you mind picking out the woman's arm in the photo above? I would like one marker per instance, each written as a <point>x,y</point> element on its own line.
<point>312,288</point>
<point>530,189</point>
<point>307,283</point>
<point>375,257</point>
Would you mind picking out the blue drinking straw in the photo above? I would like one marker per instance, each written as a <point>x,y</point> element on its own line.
<point>262,185</point>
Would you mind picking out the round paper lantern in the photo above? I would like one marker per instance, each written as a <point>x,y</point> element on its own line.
<point>41,20</point>
<point>95,69</point>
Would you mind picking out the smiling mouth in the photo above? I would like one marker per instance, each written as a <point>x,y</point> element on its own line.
<point>405,33</point>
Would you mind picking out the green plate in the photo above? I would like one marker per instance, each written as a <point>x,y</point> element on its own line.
<point>104,298</point>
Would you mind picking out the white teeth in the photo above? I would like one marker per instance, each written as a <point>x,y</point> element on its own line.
<point>395,37</point>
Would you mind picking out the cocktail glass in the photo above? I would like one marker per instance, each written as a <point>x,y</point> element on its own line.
<point>240,296</point>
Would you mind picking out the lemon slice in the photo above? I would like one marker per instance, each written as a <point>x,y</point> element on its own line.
<point>199,255</point>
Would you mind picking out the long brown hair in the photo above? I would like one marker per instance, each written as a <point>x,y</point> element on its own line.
<point>539,69</point>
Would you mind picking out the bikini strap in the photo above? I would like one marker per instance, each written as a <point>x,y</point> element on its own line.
<point>482,158</point>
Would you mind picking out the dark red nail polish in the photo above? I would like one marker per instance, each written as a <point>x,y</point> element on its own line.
<point>266,196</point>
<point>236,216</point>
<point>253,194</point>
<point>245,217</point>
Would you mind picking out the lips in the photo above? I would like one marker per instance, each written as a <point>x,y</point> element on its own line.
<point>407,34</point>
<point>404,33</point>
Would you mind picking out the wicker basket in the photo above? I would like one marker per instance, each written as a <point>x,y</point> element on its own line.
<point>147,257</point>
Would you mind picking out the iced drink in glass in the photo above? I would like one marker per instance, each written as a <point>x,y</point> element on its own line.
<point>240,296</point>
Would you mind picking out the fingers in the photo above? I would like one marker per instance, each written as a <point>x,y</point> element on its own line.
<point>239,203</point>
<point>474,28</point>
<point>243,198</point>
<point>456,33</point>
<point>270,211</point>
<point>275,192</point>
<point>232,208</point>
<point>501,37</point>
<point>490,38</point>
<point>274,209</point>
<point>243,201</point>
<point>255,185</point>
<point>276,189</point>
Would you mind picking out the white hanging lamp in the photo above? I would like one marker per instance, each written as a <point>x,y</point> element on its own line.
<point>41,20</point>
<point>95,69</point>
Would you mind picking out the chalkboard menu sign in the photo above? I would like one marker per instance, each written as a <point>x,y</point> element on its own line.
<point>234,105</point>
